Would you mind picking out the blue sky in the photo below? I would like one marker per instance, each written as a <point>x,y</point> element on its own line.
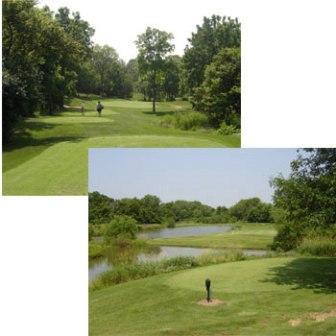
<point>211,176</point>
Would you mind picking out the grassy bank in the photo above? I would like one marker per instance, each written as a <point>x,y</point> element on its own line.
<point>49,155</point>
<point>274,296</point>
<point>245,236</point>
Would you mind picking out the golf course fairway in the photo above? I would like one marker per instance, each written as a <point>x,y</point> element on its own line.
<point>49,155</point>
<point>270,296</point>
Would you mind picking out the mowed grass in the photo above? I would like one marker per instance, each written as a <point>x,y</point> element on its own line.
<point>245,236</point>
<point>271,296</point>
<point>50,153</point>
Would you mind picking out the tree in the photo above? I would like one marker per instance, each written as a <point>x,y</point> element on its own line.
<point>215,34</point>
<point>123,227</point>
<point>307,196</point>
<point>251,210</point>
<point>219,94</point>
<point>40,60</point>
<point>172,77</point>
<point>153,46</point>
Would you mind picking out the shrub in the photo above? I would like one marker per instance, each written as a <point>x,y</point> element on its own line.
<point>178,263</point>
<point>168,122</point>
<point>186,121</point>
<point>192,120</point>
<point>225,129</point>
<point>288,237</point>
<point>122,227</point>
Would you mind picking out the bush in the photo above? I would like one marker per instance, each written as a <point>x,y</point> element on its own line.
<point>289,237</point>
<point>178,263</point>
<point>225,129</point>
<point>122,227</point>
<point>186,121</point>
<point>192,120</point>
<point>168,122</point>
<point>318,246</point>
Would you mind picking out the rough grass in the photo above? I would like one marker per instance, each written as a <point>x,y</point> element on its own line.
<point>49,155</point>
<point>261,297</point>
<point>245,236</point>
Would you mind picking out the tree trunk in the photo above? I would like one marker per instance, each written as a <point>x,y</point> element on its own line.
<point>154,91</point>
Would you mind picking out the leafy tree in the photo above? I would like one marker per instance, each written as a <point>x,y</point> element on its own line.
<point>153,46</point>
<point>172,77</point>
<point>251,210</point>
<point>40,61</point>
<point>215,34</point>
<point>121,227</point>
<point>101,208</point>
<point>150,210</point>
<point>219,94</point>
<point>307,196</point>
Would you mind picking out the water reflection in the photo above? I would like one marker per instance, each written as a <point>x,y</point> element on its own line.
<point>184,231</point>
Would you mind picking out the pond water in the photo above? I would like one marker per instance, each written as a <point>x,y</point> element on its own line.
<point>114,256</point>
<point>153,253</point>
<point>184,231</point>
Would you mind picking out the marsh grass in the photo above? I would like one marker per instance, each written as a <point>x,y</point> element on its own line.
<point>318,246</point>
<point>132,271</point>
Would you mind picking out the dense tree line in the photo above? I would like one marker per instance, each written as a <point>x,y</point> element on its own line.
<point>47,57</point>
<point>150,210</point>
<point>307,198</point>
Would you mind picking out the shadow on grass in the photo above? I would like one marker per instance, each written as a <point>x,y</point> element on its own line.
<point>306,273</point>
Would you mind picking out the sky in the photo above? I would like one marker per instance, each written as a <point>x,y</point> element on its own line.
<point>117,23</point>
<point>212,176</point>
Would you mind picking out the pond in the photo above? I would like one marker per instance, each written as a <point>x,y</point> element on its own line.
<point>184,231</point>
<point>114,256</point>
<point>152,253</point>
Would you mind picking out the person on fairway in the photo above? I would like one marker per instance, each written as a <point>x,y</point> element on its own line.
<point>99,108</point>
<point>82,107</point>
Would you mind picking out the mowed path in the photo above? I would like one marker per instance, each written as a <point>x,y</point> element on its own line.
<point>261,297</point>
<point>50,156</point>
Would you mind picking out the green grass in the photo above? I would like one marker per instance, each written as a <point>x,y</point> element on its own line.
<point>246,236</point>
<point>50,153</point>
<point>261,297</point>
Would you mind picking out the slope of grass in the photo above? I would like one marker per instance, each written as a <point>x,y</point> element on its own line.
<point>261,297</point>
<point>245,236</point>
<point>50,151</point>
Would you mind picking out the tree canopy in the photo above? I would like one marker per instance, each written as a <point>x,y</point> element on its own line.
<point>154,46</point>
<point>150,210</point>
<point>307,197</point>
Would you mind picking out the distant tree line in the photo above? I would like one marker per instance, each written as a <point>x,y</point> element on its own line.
<point>150,210</point>
<point>48,57</point>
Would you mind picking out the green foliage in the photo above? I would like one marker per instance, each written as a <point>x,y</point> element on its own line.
<point>40,59</point>
<point>308,196</point>
<point>219,94</point>
<point>251,210</point>
<point>318,246</point>
<point>225,129</point>
<point>215,34</point>
<point>123,227</point>
<point>153,46</point>
<point>288,237</point>
<point>96,249</point>
<point>186,121</point>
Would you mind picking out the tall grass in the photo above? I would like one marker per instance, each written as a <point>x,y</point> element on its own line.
<point>318,246</point>
<point>186,121</point>
<point>132,271</point>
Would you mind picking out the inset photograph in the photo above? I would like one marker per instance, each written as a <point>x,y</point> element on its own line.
<point>212,241</point>
<point>90,75</point>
